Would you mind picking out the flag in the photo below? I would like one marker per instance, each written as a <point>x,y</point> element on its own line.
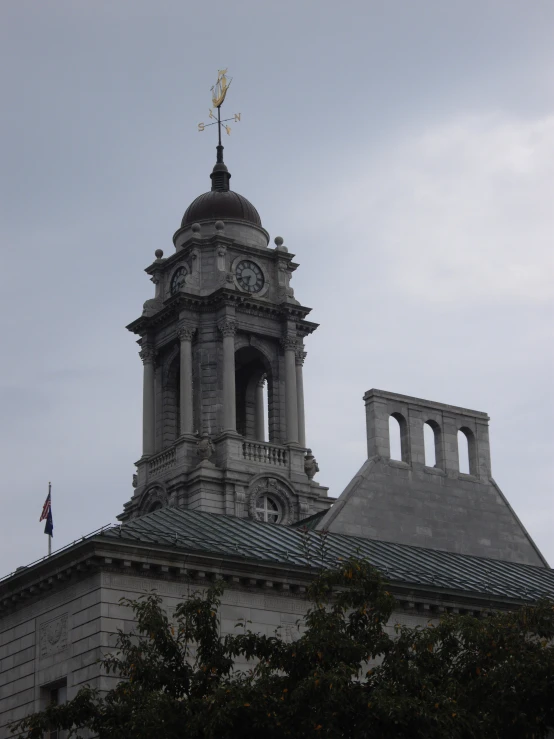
<point>47,514</point>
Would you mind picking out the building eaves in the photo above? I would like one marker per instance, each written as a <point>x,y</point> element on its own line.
<point>259,542</point>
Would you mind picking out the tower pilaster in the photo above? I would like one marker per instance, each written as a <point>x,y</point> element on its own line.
<point>300,356</point>
<point>148,355</point>
<point>185,334</point>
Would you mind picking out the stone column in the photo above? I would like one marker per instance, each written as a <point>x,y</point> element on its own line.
<point>185,379</point>
<point>147,355</point>
<point>260,410</point>
<point>228,328</point>
<point>291,402</point>
<point>300,357</point>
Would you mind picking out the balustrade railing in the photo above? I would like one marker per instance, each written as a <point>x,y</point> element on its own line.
<point>162,461</point>
<point>259,451</point>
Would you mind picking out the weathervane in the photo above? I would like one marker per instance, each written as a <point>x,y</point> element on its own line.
<point>219,91</point>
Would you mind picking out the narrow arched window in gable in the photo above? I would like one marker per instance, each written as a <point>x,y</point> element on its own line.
<point>398,438</point>
<point>429,443</point>
<point>394,438</point>
<point>467,452</point>
<point>432,440</point>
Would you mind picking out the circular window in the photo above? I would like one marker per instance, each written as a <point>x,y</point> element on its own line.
<point>268,509</point>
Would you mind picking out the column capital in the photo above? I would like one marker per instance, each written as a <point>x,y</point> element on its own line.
<point>228,327</point>
<point>185,332</point>
<point>300,357</point>
<point>289,342</point>
<point>147,354</point>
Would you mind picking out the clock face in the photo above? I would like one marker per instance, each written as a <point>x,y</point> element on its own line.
<point>249,276</point>
<point>178,279</point>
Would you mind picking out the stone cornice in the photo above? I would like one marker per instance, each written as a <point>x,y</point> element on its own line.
<point>416,403</point>
<point>181,564</point>
<point>216,300</point>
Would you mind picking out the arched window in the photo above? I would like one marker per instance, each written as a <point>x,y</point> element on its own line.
<point>398,437</point>
<point>467,453</point>
<point>155,506</point>
<point>463,453</point>
<point>394,438</point>
<point>433,444</point>
<point>429,442</point>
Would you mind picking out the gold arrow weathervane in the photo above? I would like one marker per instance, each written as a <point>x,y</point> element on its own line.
<point>219,91</point>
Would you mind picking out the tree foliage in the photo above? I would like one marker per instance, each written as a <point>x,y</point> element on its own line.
<point>346,675</point>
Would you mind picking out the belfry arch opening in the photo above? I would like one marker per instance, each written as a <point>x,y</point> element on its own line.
<point>253,390</point>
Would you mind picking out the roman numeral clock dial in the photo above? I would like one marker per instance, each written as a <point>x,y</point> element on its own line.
<point>249,276</point>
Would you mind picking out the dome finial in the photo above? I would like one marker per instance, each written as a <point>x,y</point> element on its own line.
<point>220,175</point>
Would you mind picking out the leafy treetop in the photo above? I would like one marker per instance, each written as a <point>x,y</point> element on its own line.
<point>344,676</point>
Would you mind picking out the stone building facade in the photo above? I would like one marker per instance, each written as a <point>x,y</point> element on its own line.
<point>223,324</point>
<point>225,483</point>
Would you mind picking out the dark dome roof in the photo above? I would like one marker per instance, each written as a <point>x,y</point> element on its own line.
<point>223,205</point>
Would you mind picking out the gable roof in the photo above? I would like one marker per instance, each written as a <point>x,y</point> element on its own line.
<point>426,507</point>
<point>273,544</point>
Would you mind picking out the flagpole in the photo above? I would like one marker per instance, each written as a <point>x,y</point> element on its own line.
<point>50,535</point>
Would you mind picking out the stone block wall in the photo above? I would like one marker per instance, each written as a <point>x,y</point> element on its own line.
<point>53,642</point>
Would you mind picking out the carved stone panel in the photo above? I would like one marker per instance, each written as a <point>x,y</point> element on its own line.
<point>53,636</point>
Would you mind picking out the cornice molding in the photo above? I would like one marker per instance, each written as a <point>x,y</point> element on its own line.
<point>215,301</point>
<point>180,565</point>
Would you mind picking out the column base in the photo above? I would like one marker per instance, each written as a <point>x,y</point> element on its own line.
<point>188,437</point>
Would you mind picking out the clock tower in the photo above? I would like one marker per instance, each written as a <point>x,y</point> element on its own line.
<point>222,344</point>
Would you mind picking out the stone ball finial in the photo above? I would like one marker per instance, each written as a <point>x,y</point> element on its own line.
<point>158,253</point>
<point>219,225</point>
<point>195,227</point>
<point>279,246</point>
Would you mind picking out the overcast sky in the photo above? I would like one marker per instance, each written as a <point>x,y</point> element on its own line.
<point>403,149</point>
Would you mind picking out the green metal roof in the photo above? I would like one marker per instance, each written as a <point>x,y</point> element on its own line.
<point>271,543</point>
<point>309,523</point>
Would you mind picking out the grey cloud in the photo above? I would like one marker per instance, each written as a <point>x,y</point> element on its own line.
<point>101,157</point>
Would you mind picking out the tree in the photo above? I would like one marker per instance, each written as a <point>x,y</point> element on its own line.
<point>345,676</point>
